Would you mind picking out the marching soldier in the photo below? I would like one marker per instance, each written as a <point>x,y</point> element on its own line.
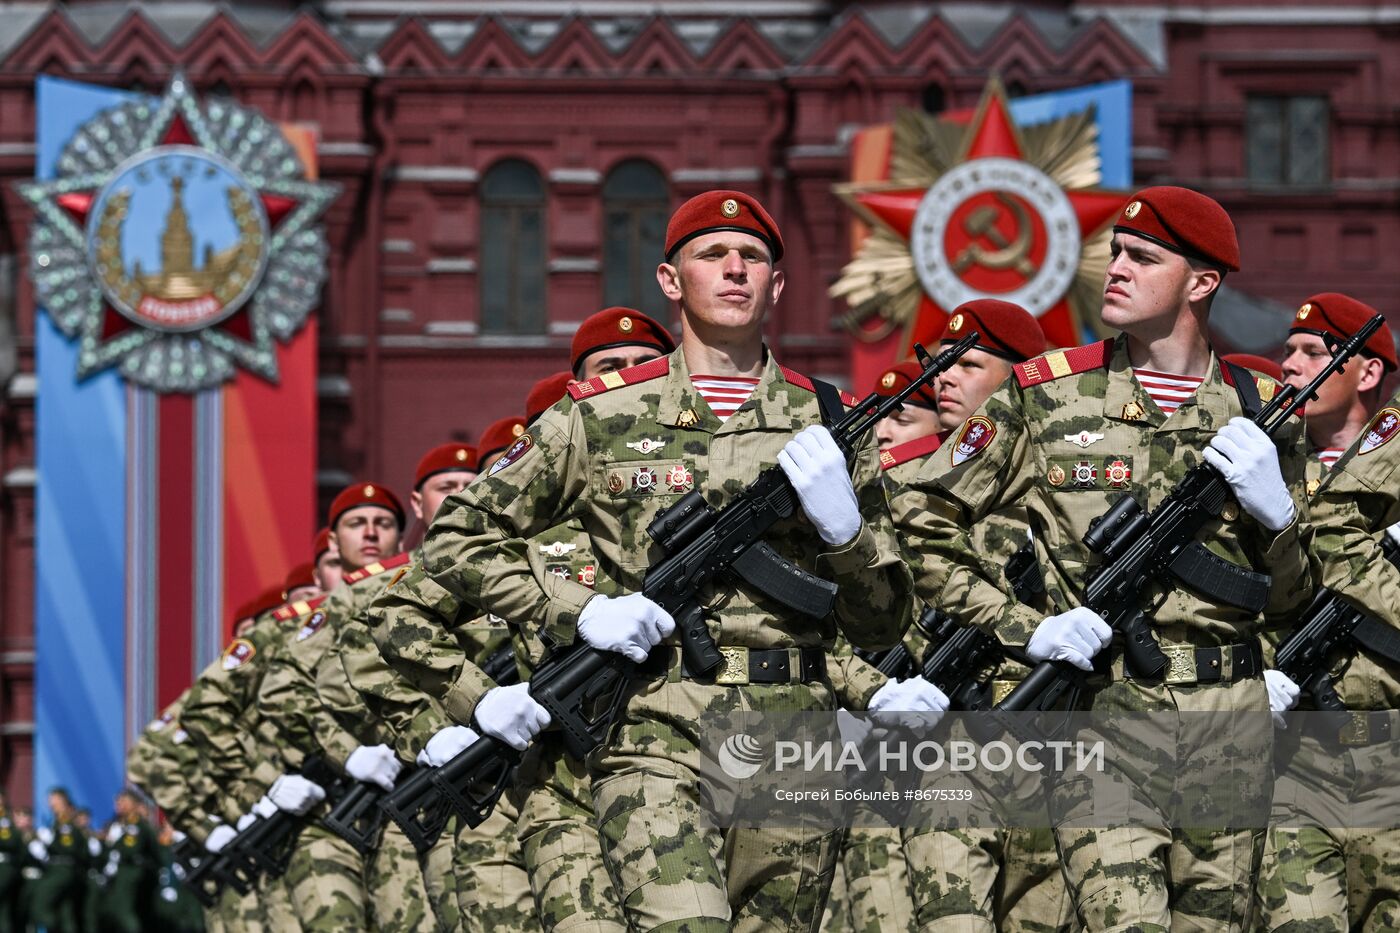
<point>133,860</point>
<point>621,448</point>
<point>62,848</point>
<point>1319,872</point>
<point>13,846</point>
<point>326,560</point>
<point>1070,434</point>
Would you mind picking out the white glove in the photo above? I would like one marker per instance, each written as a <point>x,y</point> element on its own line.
<point>855,730</point>
<point>1248,460</point>
<point>374,764</point>
<point>45,835</point>
<point>511,714</point>
<point>37,849</point>
<point>219,837</point>
<point>631,625</point>
<point>1394,532</point>
<point>817,470</point>
<point>445,745</point>
<point>94,847</point>
<point>111,870</point>
<point>1074,636</point>
<point>264,808</point>
<point>168,895</point>
<point>914,695</point>
<point>247,819</point>
<point>114,834</point>
<point>1283,694</point>
<point>295,794</point>
<point>176,837</point>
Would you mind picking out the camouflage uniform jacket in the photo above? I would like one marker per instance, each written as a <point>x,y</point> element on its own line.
<point>1065,437</point>
<point>1357,501</point>
<point>170,769</point>
<point>221,716</point>
<point>615,453</point>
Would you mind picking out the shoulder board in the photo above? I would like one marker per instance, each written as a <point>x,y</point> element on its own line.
<point>1062,363</point>
<point>297,609</point>
<point>795,378</point>
<point>1265,386</point>
<point>911,450</point>
<point>378,567</point>
<point>630,376</point>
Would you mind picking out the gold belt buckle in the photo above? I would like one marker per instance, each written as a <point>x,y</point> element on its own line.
<point>1358,731</point>
<point>734,667</point>
<point>1181,664</point>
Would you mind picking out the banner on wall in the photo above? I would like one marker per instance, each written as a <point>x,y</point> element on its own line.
<point>1012,200</point>
<point>176,253</point>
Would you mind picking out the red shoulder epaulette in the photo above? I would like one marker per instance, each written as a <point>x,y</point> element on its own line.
<point>378,567</point>
<point>1062,363</point>
<point>623,377</point>
<point>797,379</point>
<point>911,450</point>
<point>297,609</point>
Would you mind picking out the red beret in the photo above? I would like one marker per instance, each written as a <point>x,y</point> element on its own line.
<point>322,544</point>
<point>445,457</point>
<point>898,376</point>
<point>265,601</point>
<point>1341,316</point>
<point>545,393</point>
<point>722,210</point>
<point>358,494</point>
<point>617,327</point>
<point>1004,329</point>
<point>300,575</point>
<point>1259,364</point>
<point>498,436</point>
<point>1185,222</point>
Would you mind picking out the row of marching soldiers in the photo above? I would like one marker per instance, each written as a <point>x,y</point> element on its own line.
<point>387,673</point>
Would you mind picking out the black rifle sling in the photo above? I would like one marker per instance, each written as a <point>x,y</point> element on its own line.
<point>1378,639</point>
<point>1246,389</point>
<point>828,401</point>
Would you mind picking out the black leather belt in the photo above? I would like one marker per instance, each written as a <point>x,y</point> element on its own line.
<point>742,666</point>
<point>1218,664</point>
<point>1367,727</point>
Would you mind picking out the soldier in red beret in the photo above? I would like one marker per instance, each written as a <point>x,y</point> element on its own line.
<point>615,339</point>
<point>300,584</point>
<point>326,560</point>
<point>366,522</point>
<point>918,418</point>
<point>1348,400</point>
<point>1007,334</point>
<point>444,470</point>
<point>1074,431</point>
<point>498,437</point>
<point>545,393</point>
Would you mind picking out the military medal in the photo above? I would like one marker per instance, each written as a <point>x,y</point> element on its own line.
<point>1117,473</point>
<point>559,570</point>
<point>1133,411</point>
<point>587,575</point>
<point>1230,511</point>
<point>1085,474</point>
<point>615,483</point>
<point>688,418</point>
<point>1055,476</point>
<point>644,478</point>
<point>678,479</point>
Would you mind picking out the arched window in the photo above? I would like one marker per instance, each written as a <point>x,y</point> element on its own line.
<point>636,206</point>
<point>512,249</point>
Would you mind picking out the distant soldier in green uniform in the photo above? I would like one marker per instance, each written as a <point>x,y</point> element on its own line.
<point>131,866</point>
<point>13,855</point>
<point>621,448</point>
<point>62,849</point>
<point>1073,432</point>
<point>1318,875</point>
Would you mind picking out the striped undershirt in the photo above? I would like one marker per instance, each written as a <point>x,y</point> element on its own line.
<point>1330,455</point>
<point>1168,390</point>
<point>724,394</point>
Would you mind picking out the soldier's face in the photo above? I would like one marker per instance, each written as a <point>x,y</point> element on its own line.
<point>429,497</point>
<point>365,534</point>
<point>303,592</point>
<point>327,570</point>
<point>967,384</point>
<point>1146,284</point>
<point>612,360</point>
<point>901,427</point>
<point>723,281</point>
<point>1305,355</point>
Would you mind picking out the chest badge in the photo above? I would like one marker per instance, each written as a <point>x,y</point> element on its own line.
<point>557,549</point>
<point>644,479</point>
<point>646,445</point>
<point>1312,486</point>
<point>615,483</point>
<point>1083,438</point>
<point>1084,474</point>
<point>678,479</point>
<point>559,570</point>
<point>688,418</point>
<point>587,575</point>
<point>1117,473</point>
<point>1055,476</point>
<point>1133,411</point>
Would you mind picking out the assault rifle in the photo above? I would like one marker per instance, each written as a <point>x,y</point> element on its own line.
<point>1332,623</point>
<point>584,688</point>
<point>266,845</point>
<point>206,874</point>
<point>1141,548</point>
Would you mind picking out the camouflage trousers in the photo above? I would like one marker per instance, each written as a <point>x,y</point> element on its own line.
<point>878,897</point>
<point>265,909</point>
<point>673,866</point>
<point>394,876</point>
<point>1318,875</point>
<point>836,916</point>
<point>326,881</point>
<point>493,889</point>
<point>441,880</point>
<point>1132,855</point>
<point>558,836</point>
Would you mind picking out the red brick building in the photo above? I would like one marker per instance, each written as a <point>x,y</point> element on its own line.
<point>507,169</point>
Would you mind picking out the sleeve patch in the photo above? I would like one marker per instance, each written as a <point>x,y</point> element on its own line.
<point>1378,433</point>
<point>974,436</point>
<point>239,652</point>
<point>517,450</point>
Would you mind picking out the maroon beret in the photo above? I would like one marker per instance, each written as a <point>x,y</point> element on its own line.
<point>1004,329</point>
<point>1340,315</point>
<point>358,494</point>
<point>617,327</point>
<point>300,575</point>
<point>498,436</point>
<point>322,543</point>
<point>444,457</point>
<point>1259,364</point>
<point>265,601</point>
<point>545,393</point>
<point>714,211</point>
<point>1185,222</point>
<point>893,381</point>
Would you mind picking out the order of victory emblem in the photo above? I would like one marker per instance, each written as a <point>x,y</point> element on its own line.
<point>178,241</point>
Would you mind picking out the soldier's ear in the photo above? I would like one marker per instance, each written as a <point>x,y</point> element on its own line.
<point>776,287</point>
<point>669,278</point>
<point>1205,282</point>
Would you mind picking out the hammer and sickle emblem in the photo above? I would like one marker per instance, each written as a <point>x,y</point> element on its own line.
<point>1009,254</point>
